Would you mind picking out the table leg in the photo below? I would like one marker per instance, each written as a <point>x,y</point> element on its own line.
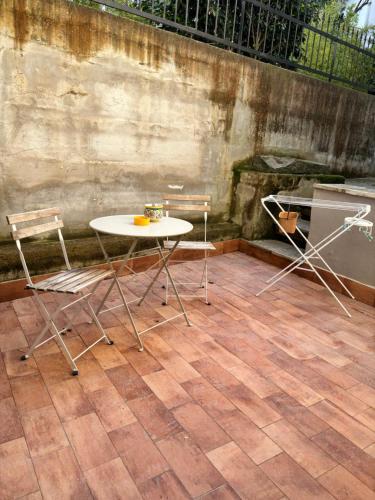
<point>135,329</point>
<point>165,265</point>
<point>164,260</point>
<point>123,264</point>
<point>116,282</point>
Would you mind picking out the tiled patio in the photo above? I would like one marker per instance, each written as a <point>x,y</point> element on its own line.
<point>269,398</point>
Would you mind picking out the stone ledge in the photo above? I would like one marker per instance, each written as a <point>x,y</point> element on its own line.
<point>15,289</point>
<point>44,256</point>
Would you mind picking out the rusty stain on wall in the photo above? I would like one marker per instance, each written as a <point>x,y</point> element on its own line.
<point>82,31</point>
<point>260,104</point>
<point>20,23</point>
<point>96,104</point>
<point>224,89</point>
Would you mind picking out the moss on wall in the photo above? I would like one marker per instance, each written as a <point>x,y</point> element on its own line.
<point>287,178</point>
<point>251,186</point>
<point>44,256</point>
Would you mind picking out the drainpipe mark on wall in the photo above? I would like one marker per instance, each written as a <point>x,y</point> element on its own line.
<point>20,23</point>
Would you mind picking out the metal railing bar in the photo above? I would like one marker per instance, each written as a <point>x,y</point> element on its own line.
<point>132,10</point>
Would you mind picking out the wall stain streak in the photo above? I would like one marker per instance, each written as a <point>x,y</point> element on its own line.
<point>224,89</point>
<point>82,31</point>
<point>260,103</point>
<point>20,23</point>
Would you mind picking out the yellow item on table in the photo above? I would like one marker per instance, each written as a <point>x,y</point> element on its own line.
<point>141,220</point>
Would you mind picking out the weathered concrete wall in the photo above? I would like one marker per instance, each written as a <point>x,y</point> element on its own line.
<point>98,114</point>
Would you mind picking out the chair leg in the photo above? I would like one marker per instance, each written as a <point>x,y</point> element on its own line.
<point>206,281</point>
<point>36,341</point>
<point>57,334</point>
<point>202,281</point>
<point>165,265</point>
<point>165,303</point>
<point>100,307</point>
<point>69,326</point>
<point>48,326</point>
<point>65,350</point>
<point>97,322</point>
<point>44,311</point>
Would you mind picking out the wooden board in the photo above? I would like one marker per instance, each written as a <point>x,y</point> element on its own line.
<point>187,197</point>
<point>35,214</point>
<point>27,232</point>
<point>187,208</point>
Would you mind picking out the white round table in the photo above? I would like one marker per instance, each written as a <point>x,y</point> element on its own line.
<point>123,225</point>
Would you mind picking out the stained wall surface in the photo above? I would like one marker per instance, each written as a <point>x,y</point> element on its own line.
<point>99,114</point>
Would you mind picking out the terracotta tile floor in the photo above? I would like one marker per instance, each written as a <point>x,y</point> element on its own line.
<point>269,398</point>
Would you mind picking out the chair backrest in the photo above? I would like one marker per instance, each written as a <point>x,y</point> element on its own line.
<point>32,224</point>
<point>193,203</point>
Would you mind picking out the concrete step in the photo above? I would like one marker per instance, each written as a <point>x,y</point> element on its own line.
<point>277,247</point>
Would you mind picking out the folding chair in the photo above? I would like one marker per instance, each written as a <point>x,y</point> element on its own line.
<point>70,281</point>
<point>203,205</point>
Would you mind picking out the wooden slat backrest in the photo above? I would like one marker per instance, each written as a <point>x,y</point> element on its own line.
<point>187,197</point>
<point>34,215</point>
<point>20,229</point>
<point>26,232</point>
<point>18,233</point>
<point>187,208</point>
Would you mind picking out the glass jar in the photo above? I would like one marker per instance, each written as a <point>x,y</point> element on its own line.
<point>153,211</point>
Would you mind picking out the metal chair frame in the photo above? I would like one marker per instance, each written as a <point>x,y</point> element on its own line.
<point>205,208</point>
<point>74,281</point>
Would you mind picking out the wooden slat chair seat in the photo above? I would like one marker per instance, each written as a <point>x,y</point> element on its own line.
<point>190,203</point>
<point>71,281</point>
<point>190,245</point>
<point>82,282</point>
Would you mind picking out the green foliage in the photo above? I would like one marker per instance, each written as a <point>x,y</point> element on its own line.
<point>337,59</point>
<point>275,35</point>
<point>262,30</point>
<point>94,5</point>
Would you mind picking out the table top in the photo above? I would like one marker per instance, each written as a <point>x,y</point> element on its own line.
<point>123,225</point>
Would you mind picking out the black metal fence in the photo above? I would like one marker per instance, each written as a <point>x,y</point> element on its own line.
<point>294,34</point>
